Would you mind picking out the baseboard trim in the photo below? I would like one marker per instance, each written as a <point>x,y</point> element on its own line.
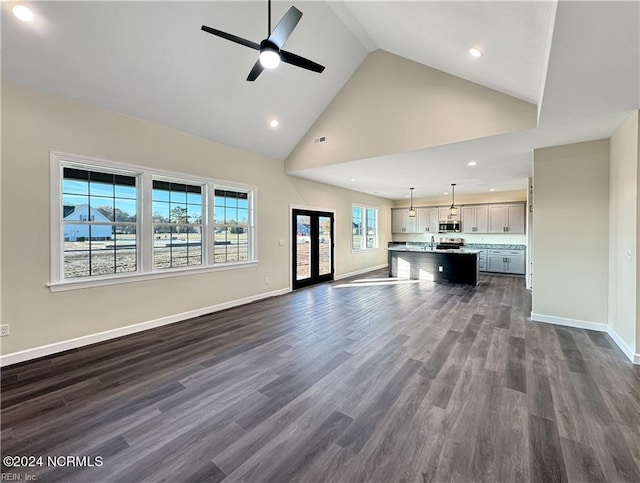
<point>46,350</point>
<point>360,272</point>
<point>575,323</point>
<point>582,324</point>
<point>635,358</point>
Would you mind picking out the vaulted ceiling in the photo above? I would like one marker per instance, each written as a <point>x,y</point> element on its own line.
<point>577,62</point>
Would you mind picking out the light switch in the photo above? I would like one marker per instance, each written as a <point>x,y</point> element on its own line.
<point>440,269</point>
<point>281,242</point>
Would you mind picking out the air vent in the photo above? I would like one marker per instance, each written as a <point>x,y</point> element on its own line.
<point>321,139</point>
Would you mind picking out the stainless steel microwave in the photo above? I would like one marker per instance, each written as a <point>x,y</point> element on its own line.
<point>449,226</point>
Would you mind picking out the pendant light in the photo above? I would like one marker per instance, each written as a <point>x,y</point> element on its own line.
<point>453,210</point>
<point>412,211</point>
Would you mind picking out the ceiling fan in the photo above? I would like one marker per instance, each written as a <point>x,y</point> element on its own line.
<point>271,52</point>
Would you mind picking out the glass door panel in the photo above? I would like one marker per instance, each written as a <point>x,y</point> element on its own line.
<point>303,244</point>
<point>325,242</point>
<point>312,247</point>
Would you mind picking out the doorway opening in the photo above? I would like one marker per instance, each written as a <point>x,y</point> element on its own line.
<point>312,247</point>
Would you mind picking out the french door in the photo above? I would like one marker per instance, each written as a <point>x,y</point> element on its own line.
<point>312,247</point>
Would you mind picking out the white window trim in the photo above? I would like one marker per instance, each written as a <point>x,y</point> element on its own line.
<point>364,235</point>
<point>144,233</point>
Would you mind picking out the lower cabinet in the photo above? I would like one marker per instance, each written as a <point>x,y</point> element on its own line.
<point>482,261</point>
<point>506,261</point>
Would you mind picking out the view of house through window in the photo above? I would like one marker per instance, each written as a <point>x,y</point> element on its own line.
<point>102,232</point>
<point>364,223</point>
<point>99,221</point>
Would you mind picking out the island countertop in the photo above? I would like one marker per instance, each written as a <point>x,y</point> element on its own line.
<point>427,249</point>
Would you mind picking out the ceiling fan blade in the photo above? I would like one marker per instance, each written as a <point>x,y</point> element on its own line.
<point>255,72</point>
<point>298,61</point>
<point>285,26</point>
<point>233,38</point>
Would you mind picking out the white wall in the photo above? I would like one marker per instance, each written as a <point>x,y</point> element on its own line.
<point>392,104</point>
<point>623,233</point>
<point>35,123</point>
<point>570,241</point>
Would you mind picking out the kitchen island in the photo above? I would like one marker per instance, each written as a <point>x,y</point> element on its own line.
<point>425,263</point>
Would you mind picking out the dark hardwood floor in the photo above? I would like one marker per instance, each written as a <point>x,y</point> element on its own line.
<point>363,380</point>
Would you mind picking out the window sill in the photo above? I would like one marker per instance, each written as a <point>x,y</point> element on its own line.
<point>141,277</point>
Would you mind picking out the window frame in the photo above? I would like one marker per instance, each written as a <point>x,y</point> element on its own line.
<point>365,210</point>
<point>145,176</point>
<point>204,220</point>
<point>249,226</point>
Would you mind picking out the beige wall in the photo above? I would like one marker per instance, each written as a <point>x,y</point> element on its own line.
<point>570,241</point>
<point>35,123</point>
<point>392,104</point>
<point>623,231</point>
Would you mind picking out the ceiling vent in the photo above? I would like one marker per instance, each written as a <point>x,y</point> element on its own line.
<point>321,139</point>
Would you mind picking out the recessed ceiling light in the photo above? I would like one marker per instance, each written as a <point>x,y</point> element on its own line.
<point>475,52</point>
<point>492,189</point>
<point>445,193</point>
<point>274,123</point>
<point>23,13</point>
<point>472,163</point>
<point>352,179</point>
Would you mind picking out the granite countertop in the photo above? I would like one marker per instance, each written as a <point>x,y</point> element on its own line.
<point>428,249</point>
<point>495,246</point>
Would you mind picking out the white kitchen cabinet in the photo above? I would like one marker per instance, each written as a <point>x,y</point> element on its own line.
<point>506,218</point>
<point>482,260</point>
<point>401,222</point>
<point>506,261</point>
<point>515,218</point>
<point>444,214</point>
<point>475,219</point>
<point>427,220</point>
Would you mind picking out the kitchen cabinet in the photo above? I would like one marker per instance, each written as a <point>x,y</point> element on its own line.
<point>475,219</point>
<point>506,218</point>
<point>482,260</point>
<point>506,261</point>
<point>401,222</point>
<point>427,220</point>
<point>444,214</point>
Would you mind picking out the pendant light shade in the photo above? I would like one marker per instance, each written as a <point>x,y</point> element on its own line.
<point>412,211</point>
<point>453,210</point>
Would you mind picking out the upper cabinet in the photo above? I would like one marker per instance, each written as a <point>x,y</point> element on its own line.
<point>444,214</point>
<point>427,220</point>
<point>475,219</point>
<point>491,218</point>
<point>506,218</point>
<point>401,222</point>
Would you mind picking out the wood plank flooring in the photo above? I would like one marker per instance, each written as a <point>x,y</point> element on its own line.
<point>361,380</point>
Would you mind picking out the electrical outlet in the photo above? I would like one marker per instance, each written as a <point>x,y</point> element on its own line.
<point>266,280</point>
<point>4,330</point>
<point>440,269</point>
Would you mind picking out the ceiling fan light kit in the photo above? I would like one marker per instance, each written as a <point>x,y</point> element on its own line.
<point>271,53</point>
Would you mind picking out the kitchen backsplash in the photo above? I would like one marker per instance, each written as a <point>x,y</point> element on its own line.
<point>493,238</point>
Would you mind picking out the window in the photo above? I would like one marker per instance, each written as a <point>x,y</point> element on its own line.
<point>231,226</point>
<point>364,222</point>
<point>177,224</point>
<point>111,221</point>
<point>99,213</point>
